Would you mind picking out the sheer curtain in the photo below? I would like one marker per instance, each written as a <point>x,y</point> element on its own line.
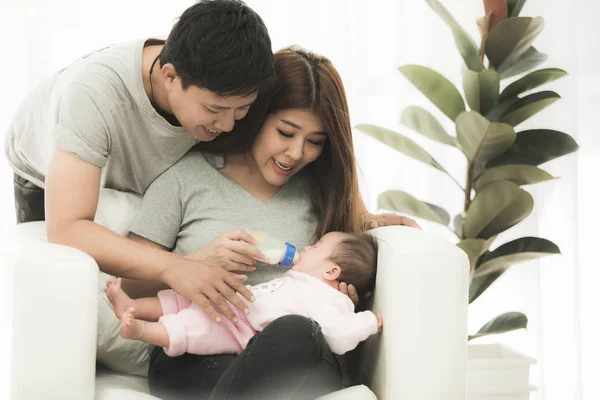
<point>367,41</point>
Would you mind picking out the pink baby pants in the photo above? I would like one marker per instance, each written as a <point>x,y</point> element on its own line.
<point>191,330</point>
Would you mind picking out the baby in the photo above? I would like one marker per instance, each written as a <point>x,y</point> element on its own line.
<point>308,289</point>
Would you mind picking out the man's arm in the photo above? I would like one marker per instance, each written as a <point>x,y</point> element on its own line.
<point>135,288</point>
<point>372,221</point>
<point>72,191</point>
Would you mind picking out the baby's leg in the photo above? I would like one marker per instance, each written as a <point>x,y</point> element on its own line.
<point>150,332</point>
<point>193,331</point>
<point>147,308</point>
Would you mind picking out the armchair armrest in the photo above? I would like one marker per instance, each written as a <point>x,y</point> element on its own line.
<point>54,317</point>
<point>422,287</point>
<point>421,292</point>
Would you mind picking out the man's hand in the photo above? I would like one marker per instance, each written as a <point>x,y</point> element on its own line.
<point>233,251</point>
<point>379,220</point>
<point>379,324</point>
<point>350,291</point>
<point>209,286</point>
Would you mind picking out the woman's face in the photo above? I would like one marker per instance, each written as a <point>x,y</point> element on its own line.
<point>288,141</point>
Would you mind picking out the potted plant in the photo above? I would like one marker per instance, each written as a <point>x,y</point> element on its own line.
<point>500,89</point>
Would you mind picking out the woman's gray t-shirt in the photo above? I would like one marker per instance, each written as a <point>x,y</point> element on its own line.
<point>192,203</point>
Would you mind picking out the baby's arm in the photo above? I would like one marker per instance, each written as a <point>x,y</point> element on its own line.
<point>345,331</point>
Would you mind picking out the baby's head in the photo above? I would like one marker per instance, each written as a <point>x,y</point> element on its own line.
<point>341,257</point>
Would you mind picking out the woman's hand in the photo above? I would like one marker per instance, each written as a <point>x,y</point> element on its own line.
<point>379,220</point>
<point>233,250</point>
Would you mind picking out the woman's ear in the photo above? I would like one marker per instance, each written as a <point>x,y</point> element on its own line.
<point>333,273</point>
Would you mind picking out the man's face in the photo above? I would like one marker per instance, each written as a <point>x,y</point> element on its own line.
<point>204,114</point>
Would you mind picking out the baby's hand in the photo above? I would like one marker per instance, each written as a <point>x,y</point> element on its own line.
<point>379,324</point>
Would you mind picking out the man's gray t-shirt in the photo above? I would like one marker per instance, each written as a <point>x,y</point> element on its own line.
<point>192,203</point>
<point>97,109</point>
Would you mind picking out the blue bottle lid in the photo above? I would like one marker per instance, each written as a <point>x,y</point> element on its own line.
<point>288,256</point>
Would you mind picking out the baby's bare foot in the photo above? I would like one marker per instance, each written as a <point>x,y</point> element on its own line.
<point>119,299</point>
<point>131,328</point>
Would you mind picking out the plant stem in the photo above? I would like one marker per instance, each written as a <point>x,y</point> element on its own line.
<point>482,50</point>
<point>467,203</point>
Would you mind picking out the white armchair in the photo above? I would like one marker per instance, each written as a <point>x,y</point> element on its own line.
<point>421,292</point>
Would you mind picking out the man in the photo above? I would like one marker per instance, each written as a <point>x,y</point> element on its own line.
<point>120,117</point>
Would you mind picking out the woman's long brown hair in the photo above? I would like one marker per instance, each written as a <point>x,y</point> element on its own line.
<point>308,81</point>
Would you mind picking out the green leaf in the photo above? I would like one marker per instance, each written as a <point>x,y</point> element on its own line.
<point>520,174</point>
<point>442,214</point>
<point>531,59</point>
<point>507,322</point>
<point>436,88</point>
<point>511,38</point>
<point>532,81</point>
<point>535,147</point>
<point>527,107</point>
<point>457,224</point>
<point>514,252</point>
<point>496,208</point>
<point>481,140</point>
<point>474,248</point>
<point>480,285</point>
<point>496,112</point>
<point>401,143</point>
<point>481,89</point>
<point>422,121</point>
<point>403,202</point>
<point>466,46</point>
<point>514,7</point>
<point>477,170</point>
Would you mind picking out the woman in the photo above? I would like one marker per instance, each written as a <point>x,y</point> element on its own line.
<point>297,181</point>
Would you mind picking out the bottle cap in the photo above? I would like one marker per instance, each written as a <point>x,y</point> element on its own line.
<point>288,255</point>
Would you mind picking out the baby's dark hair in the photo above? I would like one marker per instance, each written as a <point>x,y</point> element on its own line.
<point>357,257</point>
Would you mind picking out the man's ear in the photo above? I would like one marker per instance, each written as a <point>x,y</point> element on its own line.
<point>169,74</point>
<point>333,273</point>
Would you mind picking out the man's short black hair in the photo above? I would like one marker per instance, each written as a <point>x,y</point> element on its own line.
<point>222,46</point>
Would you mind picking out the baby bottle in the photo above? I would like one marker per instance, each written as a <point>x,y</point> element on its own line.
<point>275,250</point>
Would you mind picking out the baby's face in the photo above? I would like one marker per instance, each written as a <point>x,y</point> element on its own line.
<point>315,260</point>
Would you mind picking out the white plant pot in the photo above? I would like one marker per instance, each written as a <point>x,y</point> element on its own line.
<point>497,372</point>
